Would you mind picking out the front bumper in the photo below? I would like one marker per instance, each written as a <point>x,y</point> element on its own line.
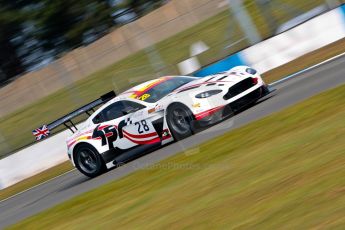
<point>220,113</point>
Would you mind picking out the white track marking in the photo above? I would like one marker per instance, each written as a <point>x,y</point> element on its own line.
<point>38,185</point>
<point>272,84</point>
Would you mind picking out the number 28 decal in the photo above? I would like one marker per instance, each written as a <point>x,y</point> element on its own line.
<point>142,126</point>
<point>144,96</point>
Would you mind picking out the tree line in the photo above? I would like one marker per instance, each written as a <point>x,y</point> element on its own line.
<point>34,32</point>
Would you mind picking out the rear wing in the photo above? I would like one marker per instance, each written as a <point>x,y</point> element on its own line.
<point>66,120</point>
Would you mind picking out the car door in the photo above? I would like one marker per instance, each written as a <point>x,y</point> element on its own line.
<point>123,125</point>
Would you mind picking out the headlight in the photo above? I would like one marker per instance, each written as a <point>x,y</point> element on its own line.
<point>208,93</point>
<point>251,71</point>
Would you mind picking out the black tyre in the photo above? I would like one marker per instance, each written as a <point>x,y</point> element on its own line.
<point>179,119</point>
<point>88,161</point>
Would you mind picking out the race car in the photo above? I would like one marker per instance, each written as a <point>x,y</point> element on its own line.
<point>154,114</point>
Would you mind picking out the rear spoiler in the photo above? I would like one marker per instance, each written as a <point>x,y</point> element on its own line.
<point>66,120</point>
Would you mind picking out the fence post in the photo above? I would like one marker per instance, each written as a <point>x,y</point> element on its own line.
<point>244,20</point>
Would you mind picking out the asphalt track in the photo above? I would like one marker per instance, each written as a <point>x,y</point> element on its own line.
<point>62,188</point>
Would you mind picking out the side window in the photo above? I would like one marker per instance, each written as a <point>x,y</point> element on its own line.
<point>98,119</point>
<point>131,107</point>
<point>116,110</point>
<point>113,111</point>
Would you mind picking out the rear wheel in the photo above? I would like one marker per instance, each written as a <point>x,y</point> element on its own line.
<point>179,119</point>
<point>88,161</point>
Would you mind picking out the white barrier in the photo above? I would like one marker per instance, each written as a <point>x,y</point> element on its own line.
<point>307,37</point>
<point>264,56</point>
<point>33,160</point>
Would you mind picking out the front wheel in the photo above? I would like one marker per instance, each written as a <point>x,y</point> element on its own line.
<point>88,161</point>
<point>179,119</point>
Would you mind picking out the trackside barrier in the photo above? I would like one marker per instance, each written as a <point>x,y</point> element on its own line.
<point>34,159</point>
<point>283,48</point>
<point>264,56</point>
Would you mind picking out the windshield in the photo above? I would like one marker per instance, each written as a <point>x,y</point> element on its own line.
<point>164,88</point>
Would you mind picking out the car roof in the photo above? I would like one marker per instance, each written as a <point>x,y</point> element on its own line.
<point>132,93</point>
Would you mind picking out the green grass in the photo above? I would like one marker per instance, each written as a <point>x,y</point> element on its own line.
<point>216,32</point>
<point>285,171</point>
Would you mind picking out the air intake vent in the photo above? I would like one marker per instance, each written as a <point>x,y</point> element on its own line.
<point>239,88</point>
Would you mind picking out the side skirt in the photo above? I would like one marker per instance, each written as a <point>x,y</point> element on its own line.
<point>114,158</point>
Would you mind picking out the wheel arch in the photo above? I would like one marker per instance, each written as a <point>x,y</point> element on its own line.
<point>74,150</point>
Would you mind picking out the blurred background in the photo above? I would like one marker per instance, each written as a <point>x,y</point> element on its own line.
<point>58,55</point>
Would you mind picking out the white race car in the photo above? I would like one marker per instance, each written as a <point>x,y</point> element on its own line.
<point>155,113</point>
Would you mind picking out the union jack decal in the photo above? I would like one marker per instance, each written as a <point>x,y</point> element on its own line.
<point>41,133</point>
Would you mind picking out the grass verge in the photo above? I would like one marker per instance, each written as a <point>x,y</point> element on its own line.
<point>283,171</point>
<point>217,32</point>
